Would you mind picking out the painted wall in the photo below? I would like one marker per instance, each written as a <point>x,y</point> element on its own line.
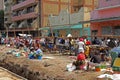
<point>106,13</point>
<point>106,9</point>
<point>107,3</point>
<point>65,18</point>
<point>106,24</point>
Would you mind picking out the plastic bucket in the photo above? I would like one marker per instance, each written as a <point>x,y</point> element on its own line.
<point>103,66</point>
<point>31,56</point>
<point>39,57</point>
<point>17,55</point>
<point>97,68</point>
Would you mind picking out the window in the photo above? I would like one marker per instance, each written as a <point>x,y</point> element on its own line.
<point>108,0</point>
<point>5,0</point>
<point>6,19</point>
<point>30,9</point>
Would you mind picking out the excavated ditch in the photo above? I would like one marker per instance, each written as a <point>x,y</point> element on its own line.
<point>26,68</point>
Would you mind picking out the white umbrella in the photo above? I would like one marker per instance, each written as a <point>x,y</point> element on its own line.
<point>69,35</point>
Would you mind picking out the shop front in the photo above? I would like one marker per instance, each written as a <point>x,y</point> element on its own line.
<point>106,27</point>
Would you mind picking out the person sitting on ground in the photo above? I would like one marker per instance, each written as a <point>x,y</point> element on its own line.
<point>80,62</point>
<point>95,60</point>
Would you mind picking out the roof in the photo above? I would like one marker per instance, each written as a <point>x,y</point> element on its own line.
<point>105,19</point>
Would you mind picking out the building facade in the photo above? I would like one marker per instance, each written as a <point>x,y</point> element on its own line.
<point>1,4</point>
<point>7,14</point>
<point>24,17</point>
<point>73,20</point>
<point>105,20</point>
<point>29,16</point>
<point>1,16</point>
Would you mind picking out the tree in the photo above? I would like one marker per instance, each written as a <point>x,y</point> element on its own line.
<point>2,20</point>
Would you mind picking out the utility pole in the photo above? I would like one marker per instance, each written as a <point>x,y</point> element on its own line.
<point>69,26</point>
<point>69,11</point>
<point>39,17</point>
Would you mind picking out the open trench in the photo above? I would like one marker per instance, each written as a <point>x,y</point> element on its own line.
<point>23,68</point>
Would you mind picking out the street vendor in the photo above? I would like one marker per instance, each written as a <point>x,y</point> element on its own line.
<point>80,61</point>
<point>95,60</point>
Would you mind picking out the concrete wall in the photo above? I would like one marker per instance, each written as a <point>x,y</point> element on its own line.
<point>65,18</point>
<point>106,9</point>
<point>107,13</point>
<point>1,4</point>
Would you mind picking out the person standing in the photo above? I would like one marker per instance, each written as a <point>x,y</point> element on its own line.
<point>81,46</point>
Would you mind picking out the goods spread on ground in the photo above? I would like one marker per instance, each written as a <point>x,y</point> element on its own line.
<point>54,67</point>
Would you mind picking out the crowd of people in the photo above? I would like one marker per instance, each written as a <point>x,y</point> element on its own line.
<point>79,46</point>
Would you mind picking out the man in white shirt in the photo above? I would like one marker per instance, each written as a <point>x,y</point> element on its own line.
<point>81,46</point>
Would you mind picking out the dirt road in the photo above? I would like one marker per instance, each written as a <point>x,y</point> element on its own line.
<point>51,68</point>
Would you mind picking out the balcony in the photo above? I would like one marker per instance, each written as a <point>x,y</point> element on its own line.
<point>6,2</point>
<point>23,4</point>
<point>7,11</point>
<point>24,16</point>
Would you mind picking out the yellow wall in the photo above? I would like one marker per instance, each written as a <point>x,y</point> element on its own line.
<point>86,14</point>
<point>65,7</point>
<point>53,0</point>
<point>45,22</point>
<point>65,0</point>
<point>50,9</point>
<point>62,33</point>
<point>88,2</point>
<point>80,2</point>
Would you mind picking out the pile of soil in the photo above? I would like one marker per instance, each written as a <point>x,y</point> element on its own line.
<point>45,69</point>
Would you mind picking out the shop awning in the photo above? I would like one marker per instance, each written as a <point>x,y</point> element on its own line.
<point>106,19</point>
<point>76,26</point>
<point>44,28</point>
<point>61,27</point>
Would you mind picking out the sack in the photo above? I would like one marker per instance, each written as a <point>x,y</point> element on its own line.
<point>71,67</point>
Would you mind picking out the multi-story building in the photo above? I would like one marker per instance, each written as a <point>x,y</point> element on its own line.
<point>1,16</point>
<point>1,4</point>
<point>7,14</point>
<point>76,17</point>
<point>30,15</point>
<point>24,17</point>
<point>105,20</point>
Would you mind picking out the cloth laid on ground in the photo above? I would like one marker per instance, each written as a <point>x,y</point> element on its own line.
<point>112,77</point>
<point>70,67</point>
<point>117,62</point>
<point>116,65</point>
<point>46,57</point>
<point>105,76</point>
<point>114,54</point>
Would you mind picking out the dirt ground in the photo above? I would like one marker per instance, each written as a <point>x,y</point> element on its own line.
<point>55,67</point>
